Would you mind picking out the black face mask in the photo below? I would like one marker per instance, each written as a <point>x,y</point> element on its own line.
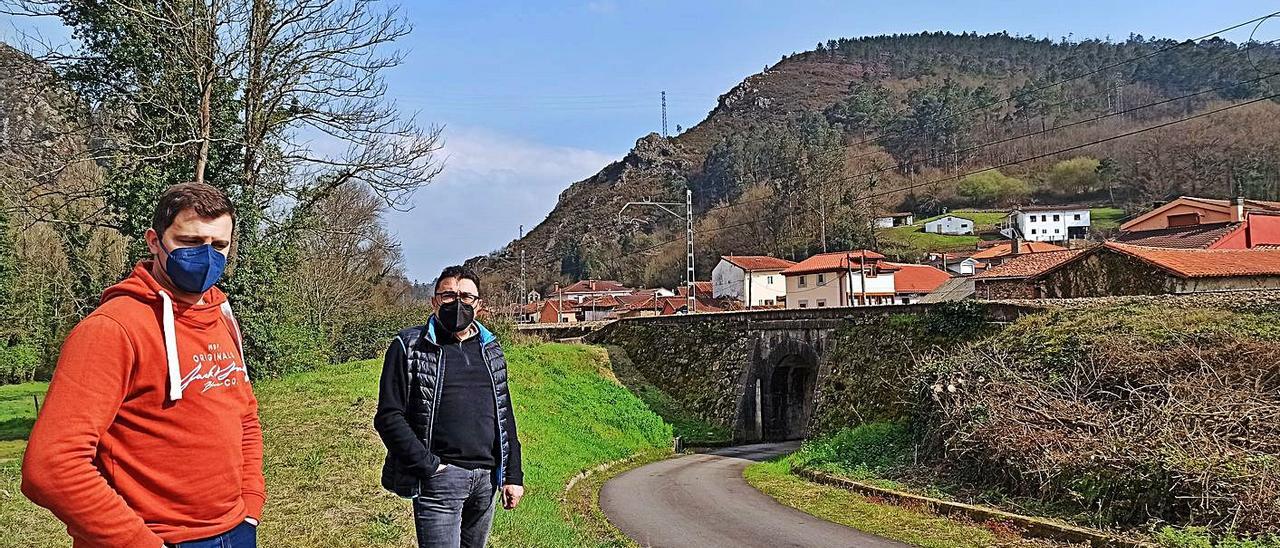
<point>456,316</point>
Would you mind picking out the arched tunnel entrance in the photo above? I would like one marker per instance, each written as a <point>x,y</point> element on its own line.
<point>789,400</point>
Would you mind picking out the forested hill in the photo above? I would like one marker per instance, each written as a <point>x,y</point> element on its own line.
<point>798,157</point>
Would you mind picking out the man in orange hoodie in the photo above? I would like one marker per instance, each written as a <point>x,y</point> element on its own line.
<point>149,435</point>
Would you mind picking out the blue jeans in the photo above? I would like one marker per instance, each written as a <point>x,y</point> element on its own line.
<point>243,536</point>
<point>455,509</point>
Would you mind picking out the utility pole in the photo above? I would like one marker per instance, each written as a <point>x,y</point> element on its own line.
<point>524,290</point>
<point>688,237</point>
<point>664,114</point>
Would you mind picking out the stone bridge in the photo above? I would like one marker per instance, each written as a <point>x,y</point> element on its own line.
<point>765,373</point>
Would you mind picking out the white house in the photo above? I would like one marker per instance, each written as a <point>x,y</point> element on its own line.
<point>753,280</point>
<point>890,220</point>
<point>1047,223</point>
<point>852,278</point>
<point>967,266</point>
<point>950,224</point>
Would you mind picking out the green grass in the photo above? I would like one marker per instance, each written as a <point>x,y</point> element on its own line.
<point>910,525</point>
<point>1105,218</point>
<point>323,457</point>
<point>17,414</point>
<point>912,240</point>
<point>1195,537</point>
<point>692,430</point>
<point>982,220</point>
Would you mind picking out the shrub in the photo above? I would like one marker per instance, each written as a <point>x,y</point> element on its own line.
<point>289,348</point>
<point>872,449</point>
<point>369,336</point>
<point>1131,413</point>
<point>18,363</point>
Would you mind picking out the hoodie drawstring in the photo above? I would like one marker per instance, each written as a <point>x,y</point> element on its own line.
<point>234,324</point>
<point>171,348</point>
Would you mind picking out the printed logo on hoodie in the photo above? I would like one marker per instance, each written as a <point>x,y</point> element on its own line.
<point>215,369</point>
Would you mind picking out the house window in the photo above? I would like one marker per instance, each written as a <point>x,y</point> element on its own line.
<point>1055,217</point>
<point>1055,231</point>
<point>1033,231</point>
<point>822,303</point>
<point>803,281</point>
<point>769,280</point>
<point>804,303</point>
<point>822,278</point>
<point>906,300</point>
<point>1077,217</point>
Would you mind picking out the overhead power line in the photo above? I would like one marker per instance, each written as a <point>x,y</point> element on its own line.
<point>1006,164</point>
<point>1148,55</point>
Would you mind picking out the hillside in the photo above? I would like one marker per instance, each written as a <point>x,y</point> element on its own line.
<point>323,456</point>
<point>801,154</point>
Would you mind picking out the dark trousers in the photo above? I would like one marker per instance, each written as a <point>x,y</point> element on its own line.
<point>455,509</point>
<point>243,536</point>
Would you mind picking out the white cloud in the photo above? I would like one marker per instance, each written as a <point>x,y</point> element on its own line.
<point>602,6</point>
<point>491,184</point>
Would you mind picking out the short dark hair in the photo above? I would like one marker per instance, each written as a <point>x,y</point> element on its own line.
<point>460,272</point>
<point>207,201</point>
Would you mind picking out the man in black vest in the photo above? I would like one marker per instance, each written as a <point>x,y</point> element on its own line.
<point>445,415</point>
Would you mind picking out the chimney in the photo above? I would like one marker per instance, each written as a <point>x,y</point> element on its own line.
<point>1015,245</point>
<point>1237,212</point>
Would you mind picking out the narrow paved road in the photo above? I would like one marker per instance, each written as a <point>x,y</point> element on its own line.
<point>702,500</point>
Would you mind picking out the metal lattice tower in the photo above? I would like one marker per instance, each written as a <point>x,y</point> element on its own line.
<point>688,237</point>
<point>664,114</point>
<point>691,302</point>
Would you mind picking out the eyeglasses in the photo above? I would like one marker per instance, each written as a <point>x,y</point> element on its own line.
<point>450,296</point>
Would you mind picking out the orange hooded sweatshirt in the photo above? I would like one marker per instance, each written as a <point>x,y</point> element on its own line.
<point>149,432</point>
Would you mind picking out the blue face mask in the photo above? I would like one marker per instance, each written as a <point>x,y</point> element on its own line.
<point>194,269</point>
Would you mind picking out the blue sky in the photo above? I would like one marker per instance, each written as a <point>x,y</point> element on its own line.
<point>534,96</point>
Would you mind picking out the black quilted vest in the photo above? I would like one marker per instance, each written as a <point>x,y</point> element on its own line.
<point>425,376</point>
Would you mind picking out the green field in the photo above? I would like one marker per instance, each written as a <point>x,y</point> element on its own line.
<point>17,414</point>
<point>914,242</point>
<point>324,458</point>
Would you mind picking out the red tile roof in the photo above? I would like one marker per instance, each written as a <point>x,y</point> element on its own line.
<point>1028,265</point>
<point>1249,204</point>
<point>703,304</point>
<point>638,301</point>
<point>1181,237</point>
<point>600,301</point>
<point>1205,263</point>
<point>918,278</point>
<point>757,263</point>
<point>1006,248</point>
<point>701,289</point>
<point>594,286</point>
<point>832,262</point>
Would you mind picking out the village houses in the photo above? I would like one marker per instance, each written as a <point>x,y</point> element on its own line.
<point>951,225</point>
<point>1047,223</point>
<point>753,280</point>
<point>857,278</point>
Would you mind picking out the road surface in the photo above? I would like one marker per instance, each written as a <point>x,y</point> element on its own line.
<point>702,500</point>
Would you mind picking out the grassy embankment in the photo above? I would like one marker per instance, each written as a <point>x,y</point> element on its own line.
<point>913,240</point>
<point>863,453</point>
<point>1050,377</point>
<point>323,457</point>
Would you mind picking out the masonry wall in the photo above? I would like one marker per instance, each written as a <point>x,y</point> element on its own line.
<point>1004,289</point>
<point>1104,274</point>
<point>710,363</point>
